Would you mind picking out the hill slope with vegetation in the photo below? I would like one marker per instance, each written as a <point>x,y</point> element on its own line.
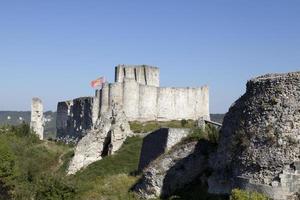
<point>34,169</point>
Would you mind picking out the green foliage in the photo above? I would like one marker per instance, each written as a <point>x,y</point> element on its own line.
<point>54,188</point>
<point>197,134</point>
<point>238,194</point>
<point>184,122</point>
<point>7,162</point>
<point>110,178</point>
<point>24,159</point>
<point>210,133</point>
<point>34,169</point>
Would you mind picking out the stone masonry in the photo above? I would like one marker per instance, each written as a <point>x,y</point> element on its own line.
<point>37,117</point>
<point>136,89</point>
<point>259,147</point>
<point>74,118</point>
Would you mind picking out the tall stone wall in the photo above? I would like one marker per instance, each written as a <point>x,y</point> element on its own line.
<point>74,118</point>
<point>104,99</point>
<point>143,74</point>
<point>131,98</point>
<point>115,93</point>
<point>146,103</point>
<point>37,117</point>
<point>96,106</point>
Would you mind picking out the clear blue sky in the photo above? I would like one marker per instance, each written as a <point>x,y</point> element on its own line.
<point>52,49</point>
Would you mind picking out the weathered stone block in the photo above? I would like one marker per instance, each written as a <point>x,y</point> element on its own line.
<point>158,142</point>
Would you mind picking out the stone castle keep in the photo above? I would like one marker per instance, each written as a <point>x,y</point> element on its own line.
<point>137,90</point>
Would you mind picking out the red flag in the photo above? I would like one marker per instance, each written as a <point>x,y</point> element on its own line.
<point>98,83</point>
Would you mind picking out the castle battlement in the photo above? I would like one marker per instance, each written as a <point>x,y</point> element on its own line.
<point>143,74</point>
<point>136,89</point>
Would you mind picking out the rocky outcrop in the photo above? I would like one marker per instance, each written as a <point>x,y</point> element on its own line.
<point>259,147</point>
<point>174,170</point>
<point>105,138</point>
<point>163,140</point>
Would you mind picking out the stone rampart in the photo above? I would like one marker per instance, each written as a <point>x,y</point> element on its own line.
<point>136,89</point>
<point>147,103</point>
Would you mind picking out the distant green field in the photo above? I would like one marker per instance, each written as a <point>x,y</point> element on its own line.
<point>18,117</point>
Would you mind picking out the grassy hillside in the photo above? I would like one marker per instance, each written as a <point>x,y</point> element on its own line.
<point>30,167</point>
<point>34,169</point>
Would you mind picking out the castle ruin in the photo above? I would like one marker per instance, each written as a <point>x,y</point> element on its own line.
<point>37,117</point>
<point>137,89</point>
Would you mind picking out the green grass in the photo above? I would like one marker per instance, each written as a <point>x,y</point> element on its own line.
<point>34,169</point>
<point>238,194</point>
<point>30,161</point>
<point>150,126</point>
<point>110,178</point>
<point>210,133</point>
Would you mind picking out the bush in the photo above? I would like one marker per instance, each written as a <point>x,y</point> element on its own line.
<point>7,162</point>
<point>54,188</point>
<point>210,133</point>
<point>184,122</point>
<point>238,194</point>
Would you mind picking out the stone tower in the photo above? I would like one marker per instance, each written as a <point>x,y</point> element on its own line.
<point>37,117</point>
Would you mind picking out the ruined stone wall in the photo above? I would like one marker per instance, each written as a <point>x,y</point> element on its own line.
<point>260,138</point>
<point>146,103</point>
<point>137,90</point>
<point>163,140</point>
<point>74,117</point>
<point>143,74</point>
<point>37,117</point>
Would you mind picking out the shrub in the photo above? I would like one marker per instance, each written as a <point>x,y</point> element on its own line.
<point>54,188</point>
<point>210,133</point>
<point>7,162</point>
<point>184,122</point>
<point>238,194</point>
